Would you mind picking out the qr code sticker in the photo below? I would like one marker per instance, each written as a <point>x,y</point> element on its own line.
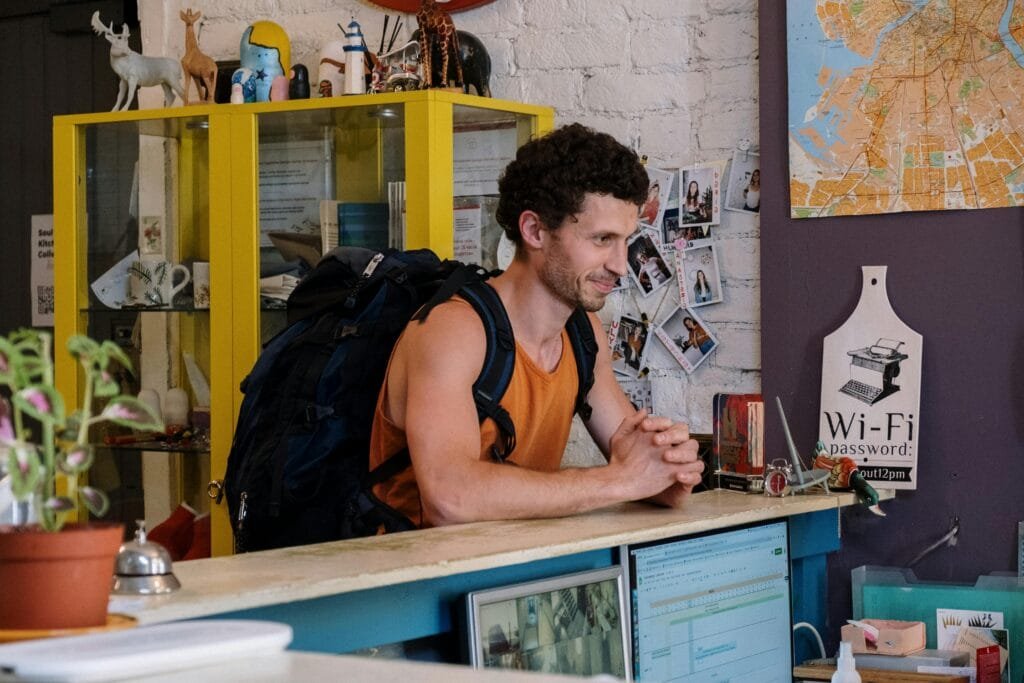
<point>44,299</point>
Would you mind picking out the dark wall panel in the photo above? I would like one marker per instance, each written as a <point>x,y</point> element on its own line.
<point>50,63</point>
<point>957,277</point>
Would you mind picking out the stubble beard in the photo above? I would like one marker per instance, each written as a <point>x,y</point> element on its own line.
<point>568,287</point>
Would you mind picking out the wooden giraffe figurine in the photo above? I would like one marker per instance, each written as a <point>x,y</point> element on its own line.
<point>198,67</point>
<point>436,26</point>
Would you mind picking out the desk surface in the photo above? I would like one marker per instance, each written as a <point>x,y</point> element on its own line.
<point>246,581</point>
<point>306,666</point>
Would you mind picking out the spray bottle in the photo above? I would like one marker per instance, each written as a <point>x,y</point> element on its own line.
<point>845,670</point>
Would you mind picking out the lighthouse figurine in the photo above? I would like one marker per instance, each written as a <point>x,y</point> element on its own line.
<point>355,60</point>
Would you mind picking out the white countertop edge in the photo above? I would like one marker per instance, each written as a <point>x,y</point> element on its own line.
<point>253,580</point>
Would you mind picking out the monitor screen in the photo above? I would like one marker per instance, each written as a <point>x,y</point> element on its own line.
<point>571,624</point>
<point>712,606</point>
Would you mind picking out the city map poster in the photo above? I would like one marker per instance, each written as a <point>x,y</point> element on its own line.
<point>904,105</point>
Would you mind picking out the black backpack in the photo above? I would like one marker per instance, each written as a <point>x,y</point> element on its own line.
<point>297,470</point>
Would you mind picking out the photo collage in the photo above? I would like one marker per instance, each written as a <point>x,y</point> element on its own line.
<point>674,245</point>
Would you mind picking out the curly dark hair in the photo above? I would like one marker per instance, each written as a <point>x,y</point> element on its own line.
<point>551,175</point>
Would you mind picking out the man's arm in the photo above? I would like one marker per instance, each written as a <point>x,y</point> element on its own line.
<point>439,360</point>
<point>611,406</point>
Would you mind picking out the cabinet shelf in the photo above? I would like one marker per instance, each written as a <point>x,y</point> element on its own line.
<point>143,309</point>
<point>156,446</point>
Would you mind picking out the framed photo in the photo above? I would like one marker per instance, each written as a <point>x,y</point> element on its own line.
<point>659,190</point>
<point>647,264</point>
<point>628,346</point>
<point>570,624</point>
<point>744,188</point>
<point>698,276</point>
<point>688,338</point>
<point>699,202</point>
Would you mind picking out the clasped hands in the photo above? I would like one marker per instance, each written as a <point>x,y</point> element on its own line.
<point>662,450</point>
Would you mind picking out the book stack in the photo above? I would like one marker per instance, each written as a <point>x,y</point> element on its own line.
<point>737,440</point>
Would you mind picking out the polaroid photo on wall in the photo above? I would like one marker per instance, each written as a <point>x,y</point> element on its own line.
<point>647,264</point>
<point>638,391</point>
<point>700,202</point>
<point>688,338</point>
<point>628,347</point>
<point>744,187</point>
<point>700,281</point>
<point>659,190</point>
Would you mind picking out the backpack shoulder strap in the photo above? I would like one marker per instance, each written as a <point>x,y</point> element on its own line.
<point>499,362</point>
<point>584,348</point>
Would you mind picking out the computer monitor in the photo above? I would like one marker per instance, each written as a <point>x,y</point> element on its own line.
<point>572,624</point>
<point>712,607</point>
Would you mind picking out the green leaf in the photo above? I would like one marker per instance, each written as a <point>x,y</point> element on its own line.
<point>105,386</point>
<point>76,460</point>
<point>130,412</point>
<point>8,361</point>
<point>95,500</point>
<point>25,468</point>
<point>116,353</point>
<point>81,346</point>
<point>42,402</point>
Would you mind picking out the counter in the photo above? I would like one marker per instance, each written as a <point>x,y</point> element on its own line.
<point>348,595</point>
<point>239,582</point>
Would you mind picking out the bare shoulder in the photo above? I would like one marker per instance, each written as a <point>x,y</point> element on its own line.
<point>449,344</point>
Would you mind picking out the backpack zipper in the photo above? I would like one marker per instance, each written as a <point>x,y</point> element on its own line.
<point>242,510</point>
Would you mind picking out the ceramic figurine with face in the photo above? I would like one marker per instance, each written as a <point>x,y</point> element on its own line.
<point>266,52</point>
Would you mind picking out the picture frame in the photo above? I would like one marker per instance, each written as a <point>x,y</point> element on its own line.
<point>690,345</point>
<point>628,346</point>
<point>698,276</point>
<point>700,196</point>
<point>648,266</point>
<point>744,186</point>
<point>572,624</point>
<point>659,191</point>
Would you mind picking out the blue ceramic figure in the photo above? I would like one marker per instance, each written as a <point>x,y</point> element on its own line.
<point>265,52</point>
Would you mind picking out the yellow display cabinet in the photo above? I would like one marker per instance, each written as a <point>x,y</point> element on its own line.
<point>255,190</point>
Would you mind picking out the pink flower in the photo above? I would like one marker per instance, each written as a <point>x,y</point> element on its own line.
<point>76,457</point>
<point>39,400</point>
<point>120,411</point>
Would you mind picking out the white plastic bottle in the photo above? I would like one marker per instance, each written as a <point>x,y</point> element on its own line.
<point>845,670</point>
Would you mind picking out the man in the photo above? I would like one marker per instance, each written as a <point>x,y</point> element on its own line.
<point>569,201</point>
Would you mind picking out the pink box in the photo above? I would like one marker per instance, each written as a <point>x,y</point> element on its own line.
<point>894,637</point>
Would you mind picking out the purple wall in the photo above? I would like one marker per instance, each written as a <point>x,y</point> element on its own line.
<point>957,277</point>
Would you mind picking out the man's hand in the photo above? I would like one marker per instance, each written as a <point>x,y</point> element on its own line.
<point>681,450</point>
<point>653,455</point>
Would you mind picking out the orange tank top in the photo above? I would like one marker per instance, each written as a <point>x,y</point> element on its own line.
<point>540,403</point>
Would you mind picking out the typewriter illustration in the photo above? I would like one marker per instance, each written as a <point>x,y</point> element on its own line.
<point>883,357</point>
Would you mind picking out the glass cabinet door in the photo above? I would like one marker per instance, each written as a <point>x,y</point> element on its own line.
<point>131,213</point>
<point>326,176</point>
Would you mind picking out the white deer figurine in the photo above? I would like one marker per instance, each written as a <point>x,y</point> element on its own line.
<point>137,70</point>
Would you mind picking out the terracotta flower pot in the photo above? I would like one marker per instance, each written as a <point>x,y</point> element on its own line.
<point>56,580</point>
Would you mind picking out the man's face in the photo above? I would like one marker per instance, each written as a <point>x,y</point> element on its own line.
<point>587,254</point>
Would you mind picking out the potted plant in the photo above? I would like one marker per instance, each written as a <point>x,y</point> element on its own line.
<point>54,574</point>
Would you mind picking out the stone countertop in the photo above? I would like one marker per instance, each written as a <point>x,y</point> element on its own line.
<point>251,580</point>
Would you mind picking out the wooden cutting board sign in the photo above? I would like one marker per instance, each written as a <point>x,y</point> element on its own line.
<point>871,389</point>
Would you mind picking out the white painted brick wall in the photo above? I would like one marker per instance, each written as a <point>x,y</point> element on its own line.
<point>675,79</point>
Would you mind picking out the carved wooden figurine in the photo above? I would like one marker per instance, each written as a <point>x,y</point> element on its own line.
<point>437,27</point>
<point>135,70</point>
<point>199,68</point>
